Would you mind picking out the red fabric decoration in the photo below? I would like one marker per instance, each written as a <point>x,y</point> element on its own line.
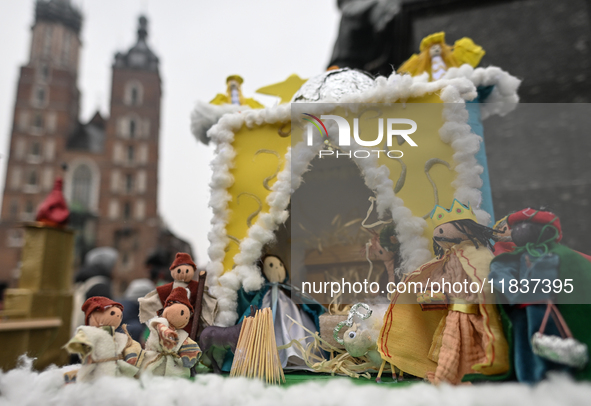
<point>536,216</point>
<point>182,258</point>
<point>54,210</point>
<point>178,295</point>
<point>503,246</point>
<point>98,303</point>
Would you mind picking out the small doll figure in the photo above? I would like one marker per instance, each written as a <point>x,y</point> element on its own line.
<point>104,351</point>
<point>277,294</point>
<point>437,57</point>
<point>539,256</point>
<point>234,95</point>
<point>169,350</point>
<point>468,337</point>
<point>182,271</point>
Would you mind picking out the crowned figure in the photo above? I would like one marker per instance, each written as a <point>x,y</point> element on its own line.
<point>452,329</point>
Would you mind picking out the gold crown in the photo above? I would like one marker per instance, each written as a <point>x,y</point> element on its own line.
<point>458,211</point>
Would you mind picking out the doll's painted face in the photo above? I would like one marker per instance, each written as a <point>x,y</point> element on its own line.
<point>503,231</point>
<point>435,50</point>
<point>233,85</point>
<point>274,269</point>
<point>446,235</point>
<point>183,273</point>
<point>177,315</point>
<point>108,317</point>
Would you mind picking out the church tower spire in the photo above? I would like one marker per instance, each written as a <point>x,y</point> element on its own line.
<point>139,56</point>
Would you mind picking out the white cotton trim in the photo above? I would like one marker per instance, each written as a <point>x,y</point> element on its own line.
<point>454,89</point>
<point>205,115</point>
<point>503,99</point>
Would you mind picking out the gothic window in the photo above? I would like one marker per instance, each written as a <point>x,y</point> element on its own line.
<point>134,92</point>
<point>29,207</point>
<point>129,183</point>
<point>38,121</point>
<point>130,153</point>
<point>40,95</point>
<point>32,179</point>
<point>35,149</point>
<point>81,187</point>
<point>126,211</point>
<point>134,96</point>
<point>132,128</point>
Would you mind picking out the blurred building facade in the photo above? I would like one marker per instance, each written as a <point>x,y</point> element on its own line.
<point>111,180</point>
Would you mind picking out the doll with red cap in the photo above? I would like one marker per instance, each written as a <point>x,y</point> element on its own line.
<point>169,350</point>
<point>182,271</point>
<point>540,265</point>
<point>104,351</point>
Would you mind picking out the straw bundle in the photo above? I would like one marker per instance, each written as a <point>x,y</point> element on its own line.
<point>256,352</point>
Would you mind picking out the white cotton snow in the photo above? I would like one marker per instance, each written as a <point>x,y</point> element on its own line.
<point>23,387</point>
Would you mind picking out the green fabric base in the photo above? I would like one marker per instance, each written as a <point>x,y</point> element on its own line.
<point>295,378</point>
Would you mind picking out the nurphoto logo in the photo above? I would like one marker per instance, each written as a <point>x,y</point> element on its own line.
<point>344,138</point>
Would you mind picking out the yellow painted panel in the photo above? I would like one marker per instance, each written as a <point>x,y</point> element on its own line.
<point>260,156</point>
<point>431,158</point>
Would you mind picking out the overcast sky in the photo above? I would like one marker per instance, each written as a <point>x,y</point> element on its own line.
<point>199,44</point>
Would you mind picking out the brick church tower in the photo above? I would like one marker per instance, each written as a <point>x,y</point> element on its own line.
<point>46,109</point>
<point>129,193</point>
<point>111,180</point>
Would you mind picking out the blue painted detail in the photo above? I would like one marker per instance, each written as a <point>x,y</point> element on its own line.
<point>475,122</point>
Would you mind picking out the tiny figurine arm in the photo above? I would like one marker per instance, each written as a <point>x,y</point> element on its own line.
<point>80,344</point>
<point>167,336</point>
<point>149,305</point>
<point>133,353</point>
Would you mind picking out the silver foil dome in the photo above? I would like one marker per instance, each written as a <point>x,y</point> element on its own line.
<point>333,85</point>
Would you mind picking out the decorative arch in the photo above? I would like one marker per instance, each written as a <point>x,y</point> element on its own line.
<point>225,282</point>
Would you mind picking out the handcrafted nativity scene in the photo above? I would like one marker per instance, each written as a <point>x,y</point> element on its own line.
<point>298,207</point>
<point>428,216</point>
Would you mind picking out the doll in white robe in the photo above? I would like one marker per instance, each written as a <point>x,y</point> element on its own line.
<point>169,350</point>
<point>104,351</point>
